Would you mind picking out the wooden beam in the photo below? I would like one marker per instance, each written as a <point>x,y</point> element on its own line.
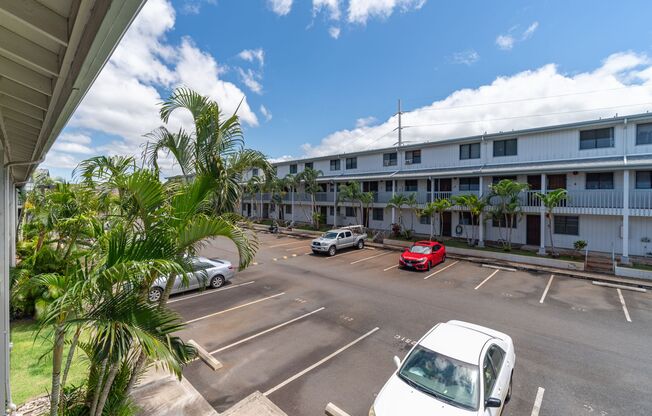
<point>25,76</point>
<point>21,118</point>
<point>24,94</point>
<point>28,53</point>
<point>16,125</point>
<point>17,105</point>
<point>38,17</point>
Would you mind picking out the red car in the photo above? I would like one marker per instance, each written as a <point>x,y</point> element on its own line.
<point>423,255</point>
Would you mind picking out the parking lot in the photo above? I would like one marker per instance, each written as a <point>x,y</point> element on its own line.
<point>307,330</point>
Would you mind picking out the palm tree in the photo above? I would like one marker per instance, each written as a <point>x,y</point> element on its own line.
<point>310,186</point>
<point>366,201</point>
<point>413,204</point>
<point>399,201</point>
<point>551,200</point>
<point>504,197</point>
<point>436,208</point>
<point>253,185</point>
<point>351,192</point>
<point>475,205</point>
<point>276,187</point>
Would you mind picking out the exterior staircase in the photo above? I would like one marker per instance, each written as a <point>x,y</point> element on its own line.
<point>599,264</point>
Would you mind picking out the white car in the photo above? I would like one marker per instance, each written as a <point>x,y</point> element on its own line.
<point>456,369</point>
<point>206,272</point>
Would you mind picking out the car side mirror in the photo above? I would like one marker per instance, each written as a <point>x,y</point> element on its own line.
<point>492,402</point>
<point>397,362</point>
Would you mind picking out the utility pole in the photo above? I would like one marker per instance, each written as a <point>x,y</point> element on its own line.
<point>400,127</point>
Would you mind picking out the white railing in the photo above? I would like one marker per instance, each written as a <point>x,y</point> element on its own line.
<point>640,199</point>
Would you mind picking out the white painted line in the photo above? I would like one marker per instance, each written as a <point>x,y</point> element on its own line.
<point>390,267</point>
<point>287,244</point>
<point>234,308</point>
<point>205,356</point>
<point>485,280</point>
<point>622,302</point>
<point>507,269</point>
<point>268,330</point>
<point>210,292</point>
<point>340,254</point>
<point>441,270</point>
<point>294,254</point>
<point>634,288</point>
<point>372,257</point>
<point>320,362</point>
<point>537,402</point>
<point>545,292</point>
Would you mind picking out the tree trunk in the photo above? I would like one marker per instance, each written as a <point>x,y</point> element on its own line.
<point>66,369</point>
<point>57,361</point>
<point>169,285</point>
<point>432,227</point>
<point>98,387</point>
<point>552,241</point>
<point>142,359</point>
<point>107,388</point>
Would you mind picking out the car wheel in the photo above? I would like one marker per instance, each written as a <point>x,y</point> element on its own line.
<point>155,294</point>
<point>360,244</point>
<point>509,391</point>
<point>332,250</point>
<point>429,265</point>
<point>315,252</point>
<point>217,281</point>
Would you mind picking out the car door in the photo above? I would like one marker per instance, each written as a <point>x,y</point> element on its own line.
<point>348,236</point>
<point>341,241</point>
<point>437,253</point>
<point>198,278</point>
<point>495,378</point>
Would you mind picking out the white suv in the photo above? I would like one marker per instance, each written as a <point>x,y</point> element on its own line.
<point>456,369</point>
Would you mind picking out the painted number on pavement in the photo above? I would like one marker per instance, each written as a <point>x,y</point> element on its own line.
<point>406,340</point>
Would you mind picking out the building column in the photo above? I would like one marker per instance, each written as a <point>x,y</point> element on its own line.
<point>335,204</point>
<point>542,213</point>
<point>624,259</point>
<point>5,247</point>
<point>292,204</point>
<point>393,193</point>
<point>481,217</point>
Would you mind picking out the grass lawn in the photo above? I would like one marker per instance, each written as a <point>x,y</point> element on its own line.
<point>31,371</point>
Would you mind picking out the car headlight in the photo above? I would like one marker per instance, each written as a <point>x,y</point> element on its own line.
<point>372,412</point>
<point>422,260</point>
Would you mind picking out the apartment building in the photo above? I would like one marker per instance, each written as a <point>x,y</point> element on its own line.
<point>605,164</point>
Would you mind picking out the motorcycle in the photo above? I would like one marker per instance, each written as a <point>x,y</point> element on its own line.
<point>273,228</point>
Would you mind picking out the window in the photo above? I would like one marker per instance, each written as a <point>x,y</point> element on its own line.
<point>389,159</point>
<point>288,209</point>
<point>351,162</point>
<point>644,133</point>
<point>347,234</point>
<point>500,223</point>
<point>603,180</point>
<point>389,185</point>
<point>254,172</point>
<point>496,179</point>
<point>349,212</point>
<point>644,180</point>
<point>489,375</point>
<point>411,185</point>
<point>470,151</point>
<point>424,219</point>
<point>335,164</point>
<point>497,355</point>
<point>308,165</point>
<point>465,218</point>
<point>198,266</point>
<point>566,224</point>
<point>597,138</point>
<point>331,211</point>
<point>293,168</point>
<point>469,184</point>
<point>412,157</point>
<point>377,214</point>
<point>340,235</point>
<point>505,147</point>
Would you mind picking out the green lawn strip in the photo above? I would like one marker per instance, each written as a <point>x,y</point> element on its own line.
<point>31,370</point>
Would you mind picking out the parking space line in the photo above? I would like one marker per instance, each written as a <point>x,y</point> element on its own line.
<point>287,244</point>
<point>485,280</point>
<point>537,402</point>
<point>320,362</point>
<point>391,267</point>
<point>622,302</point>
<point>234,308</point>
<point>442,269</point>
<point>340,254</point>
<point>209,292</point>
<point>268,330</point>
<point>545,292</point>
<point>372,257</point>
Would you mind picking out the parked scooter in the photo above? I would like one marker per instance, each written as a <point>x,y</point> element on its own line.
<point>273,228</point>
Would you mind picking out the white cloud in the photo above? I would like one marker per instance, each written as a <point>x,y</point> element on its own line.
<point>468,57</point>
<point>334,32</point>
<point>250,79</point>
<point>331,6</point>
<point>507,41</point>
<point>266,113</point>
<point>251,55</point>
<point>621,84</point>
<point>280,158</point>
<point>530,30</point>
<point>365,121</point>
<point>280,7</point>
<point>362,10</point>
<point>194,6</point>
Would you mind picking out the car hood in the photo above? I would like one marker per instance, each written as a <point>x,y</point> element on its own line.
<point>397,398</point>
<point>413,256</point>
<point>322,240</point>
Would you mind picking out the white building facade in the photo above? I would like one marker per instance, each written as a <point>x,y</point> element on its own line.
<point>605,165</point>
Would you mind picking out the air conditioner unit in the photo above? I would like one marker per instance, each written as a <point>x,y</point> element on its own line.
<point>408,161</point>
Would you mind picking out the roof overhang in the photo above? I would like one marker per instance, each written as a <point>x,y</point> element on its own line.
<point>51,51</point>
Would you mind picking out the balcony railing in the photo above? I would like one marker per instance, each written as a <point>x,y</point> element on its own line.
<point>640,199</point>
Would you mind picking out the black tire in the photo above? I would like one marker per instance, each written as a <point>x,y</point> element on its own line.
<point>155,294</point>
<point>332,250</point>
<point>443,258</point>
<point>217,281</point>
<point>315,252</point>
<point>429,266</point>
<point>360,245</point>
<point>509,392</point>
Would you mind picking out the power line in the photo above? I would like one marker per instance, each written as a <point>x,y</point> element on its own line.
<point>525,116</point>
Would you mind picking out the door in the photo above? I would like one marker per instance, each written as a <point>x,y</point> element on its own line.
<point>445,185</point>
<point>248,210</point>
<point>341,241</point>
<point>534,181</point>
<point>496,377</point>
<point>437,253</point>
<point>265,210</point>
<point>556,182</point>
<point>533,230</point>
<point>446,225</point>
<point>323,211</point>
<point>349,238</point>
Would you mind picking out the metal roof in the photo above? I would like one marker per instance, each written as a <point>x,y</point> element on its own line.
<point>490,136</point>
<point>50,53</point>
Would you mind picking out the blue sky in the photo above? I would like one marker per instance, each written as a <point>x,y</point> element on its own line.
<point>309,92</point>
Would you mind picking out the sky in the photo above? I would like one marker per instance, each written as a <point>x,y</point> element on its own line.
<point>319,77</point>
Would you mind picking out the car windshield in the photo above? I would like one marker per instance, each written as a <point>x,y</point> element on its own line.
<point>421,249</point>
<point>447,379</point>
<point>330,235</point>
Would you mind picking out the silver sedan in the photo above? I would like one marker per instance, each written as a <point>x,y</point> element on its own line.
<point>206,272</point>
